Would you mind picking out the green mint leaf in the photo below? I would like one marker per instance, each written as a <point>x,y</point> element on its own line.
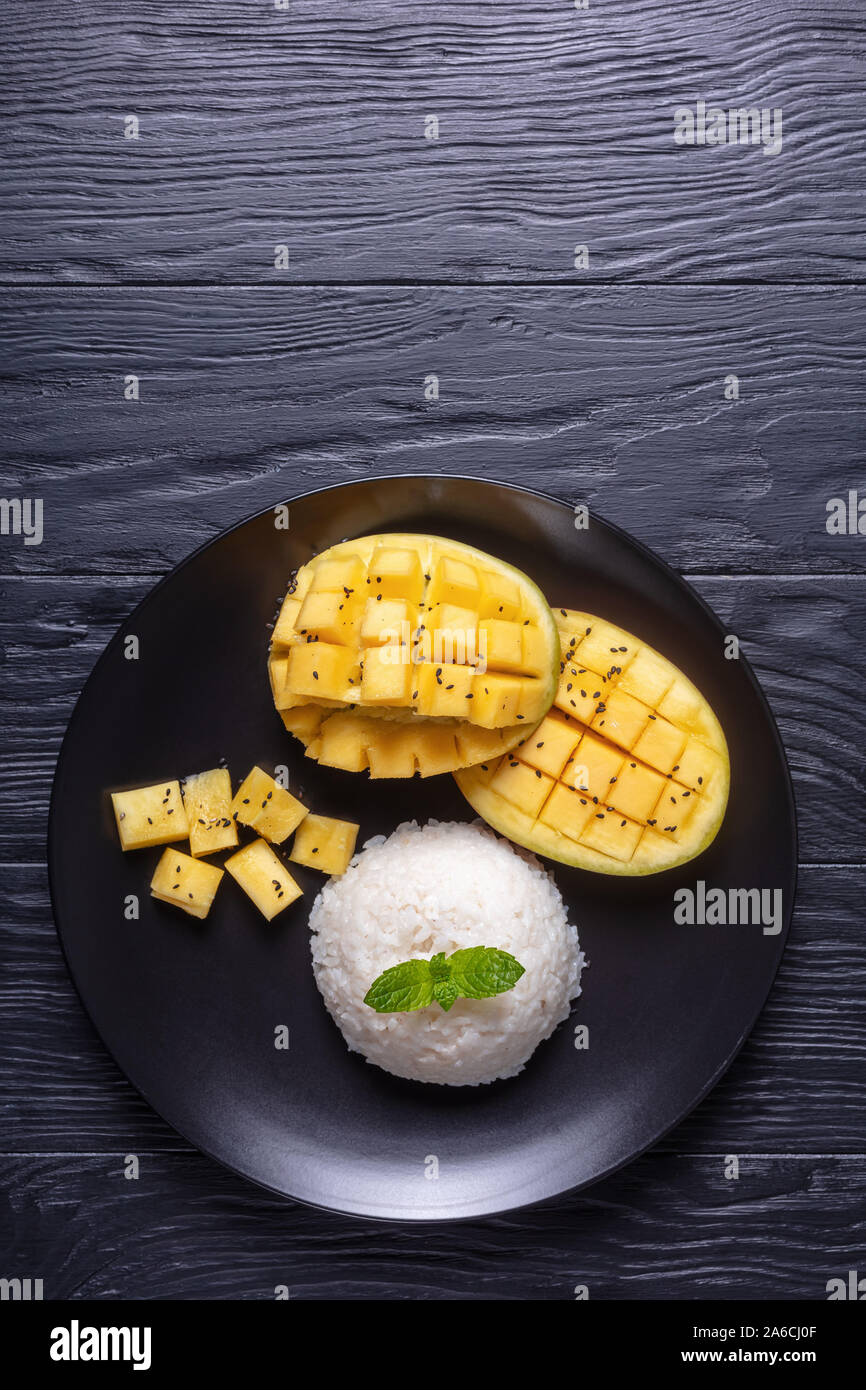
<point>402,989</point>
<point>446,993</point>
<point>482,971</point>
<point>476,973</point>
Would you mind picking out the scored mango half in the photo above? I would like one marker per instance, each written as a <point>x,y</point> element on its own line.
<point>628,773</point>
<point>400,653</point>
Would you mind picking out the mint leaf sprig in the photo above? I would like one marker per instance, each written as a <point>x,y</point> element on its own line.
<point>478,972</point>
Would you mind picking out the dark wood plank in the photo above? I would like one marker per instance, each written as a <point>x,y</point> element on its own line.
<point>798,1086</point>
<point>306,128</point>
<point>666,1227</point>
<point>804,637</point>
<point>613,397</point>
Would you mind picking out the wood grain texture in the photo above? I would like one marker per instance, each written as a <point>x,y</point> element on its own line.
<point>306,128</point>
<point>613,397</point>
<point>667,1227</point>
<point>804,636</point>
<point>798,1086</point>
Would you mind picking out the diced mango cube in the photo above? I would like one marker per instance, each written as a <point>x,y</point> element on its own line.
<point>265,806</point>
<point>698,766</point>
<point>207,799</point>
<point>549,746</point>
<point>278,667</point>
<point>524,786</point>
<point>636,791</point>
<point>647,677</point>
<point>285,628</point>
<point>497,699</point>
<point>611,834</point>
<point>578,692</point>
<point>186,883</point>
<point>535,651</point>
<point>264,878</point>
<point>324,843</point>
<point>435,752</point>
<point>384,620</point>
<point>451,634</point>
<point>500,596</point>
<point>501,644</point>
<point>620,717</point>
<point>150,815</point>
<point>443,690</point>
<point>454,581</point>
<point>605,646</point>
<point>341,743</point>
<point>387,676</point>
<point>595,767</point>
<point>332,576</point>
<point>322,670</point>
<point>391,750</point>
<point>396,573</point>
<point>567,811</point>
<point>674,809</point>
<point>303,721</point>
<point>332,617</point>
<point>660,744</point>
<point>682,705</point>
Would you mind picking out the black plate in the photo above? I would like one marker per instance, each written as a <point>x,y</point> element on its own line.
<point>189,1009</point>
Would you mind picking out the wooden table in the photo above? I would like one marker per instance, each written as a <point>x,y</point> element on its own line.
<point>598,375</point>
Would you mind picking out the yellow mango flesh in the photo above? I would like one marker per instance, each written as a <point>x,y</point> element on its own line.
<point>628,772</point>
<point>404,643</point>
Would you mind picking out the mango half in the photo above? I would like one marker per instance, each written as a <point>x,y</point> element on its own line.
<point>403,653</point>
<point>628,773</point>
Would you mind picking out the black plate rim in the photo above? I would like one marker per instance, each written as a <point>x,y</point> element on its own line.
<point>648,553</point>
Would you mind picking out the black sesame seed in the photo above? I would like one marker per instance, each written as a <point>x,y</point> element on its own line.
<point>246,801</point>
<point>540,745</point>
<point>315,849</point>
<point>315,675</point>
<point>599,815</point>
<point>170,811</point>
<point>520,716</point>
<point>450,687</point>
<point>613,779</point>
<point>650,822</point>
<point>700,779</point>
<point>563,612</point>
<point>538,774</point>
<point>623,823</point>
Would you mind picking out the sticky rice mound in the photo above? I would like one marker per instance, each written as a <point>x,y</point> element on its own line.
<point>443,887</point>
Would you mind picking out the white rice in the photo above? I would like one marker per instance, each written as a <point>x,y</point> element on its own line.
<point>442,887</point>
